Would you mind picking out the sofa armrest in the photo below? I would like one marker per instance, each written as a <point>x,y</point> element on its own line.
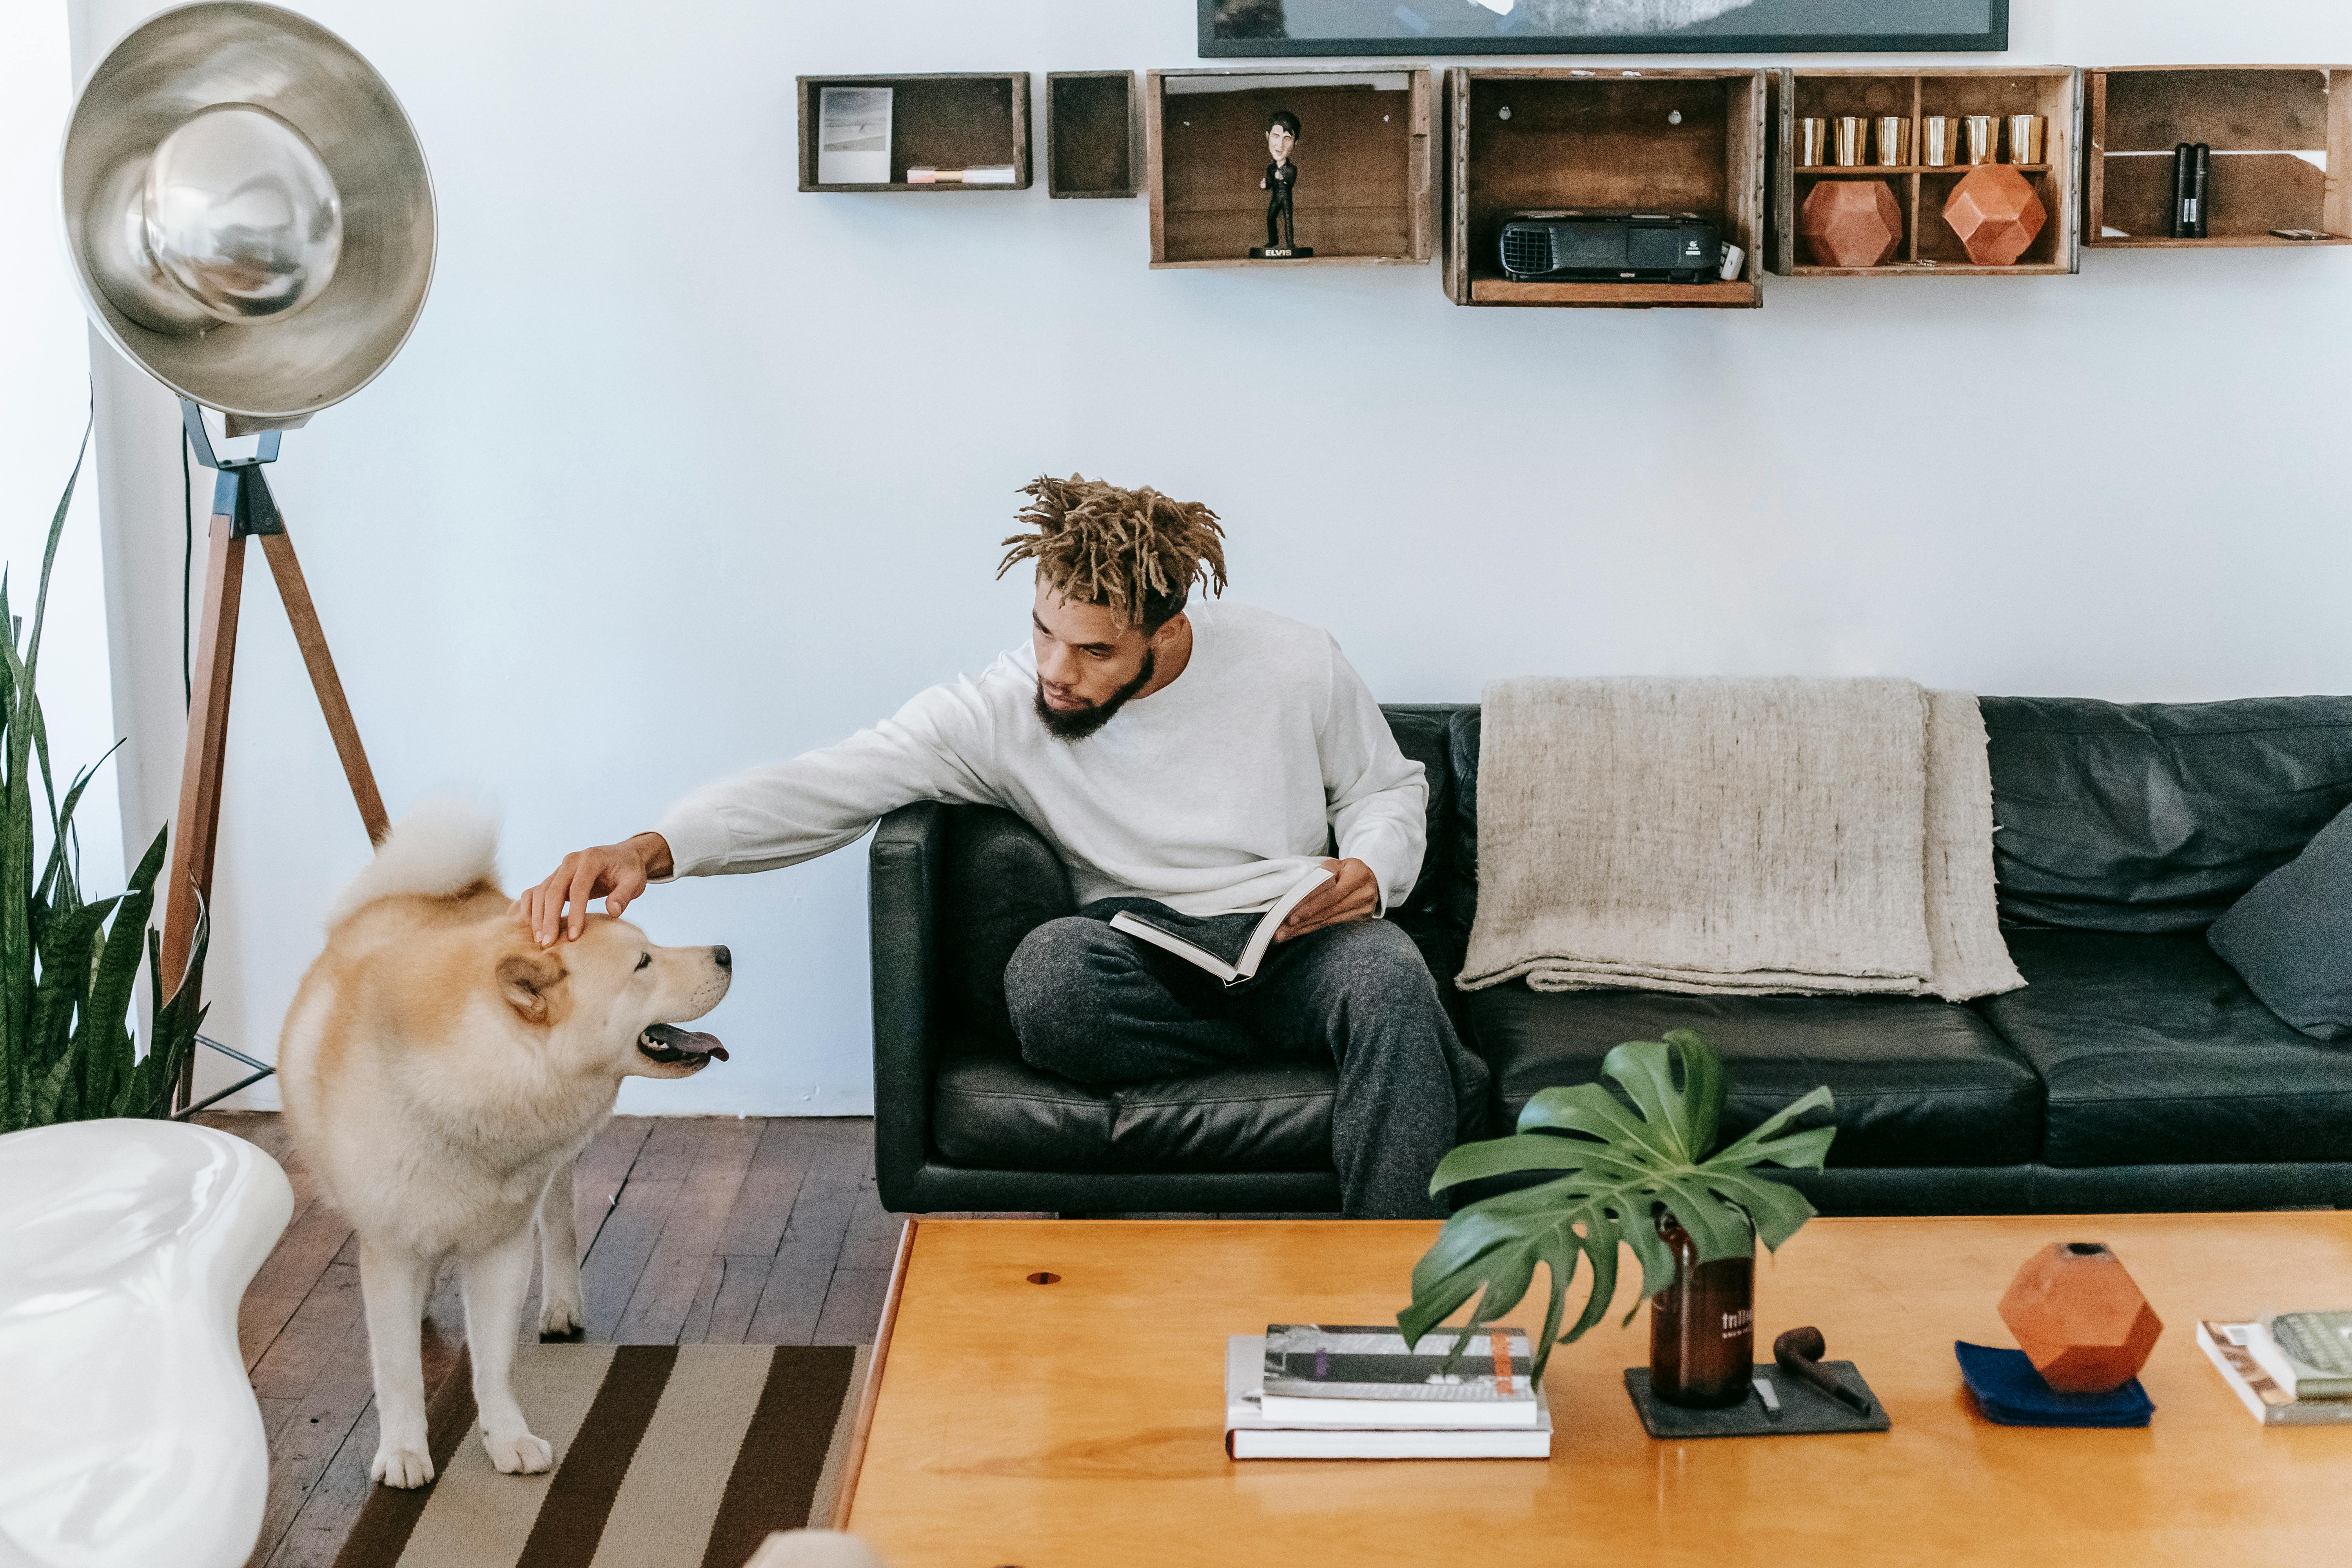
<point>905,867</point>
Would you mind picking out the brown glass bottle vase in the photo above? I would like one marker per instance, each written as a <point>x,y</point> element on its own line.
<point>1703,1326</point>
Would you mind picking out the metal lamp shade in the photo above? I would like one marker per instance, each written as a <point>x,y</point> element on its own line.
<point>248,210</point>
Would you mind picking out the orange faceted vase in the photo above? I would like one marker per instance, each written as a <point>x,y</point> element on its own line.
<point>1851,223</point>
<point>1996,213</point>
<point>2079,1318</point>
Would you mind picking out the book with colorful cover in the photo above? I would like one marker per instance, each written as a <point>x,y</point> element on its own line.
<point>2230,1347</point>
<point>2310,1354</point>
<point>1317,1370</point>
<point>1252,1434</point>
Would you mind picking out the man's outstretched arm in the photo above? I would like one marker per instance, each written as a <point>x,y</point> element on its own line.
<point>780,814</point>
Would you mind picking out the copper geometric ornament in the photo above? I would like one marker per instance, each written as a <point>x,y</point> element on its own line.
<point>2079,1318</point>
<point>1994,211</point>
<point>1851,223</point>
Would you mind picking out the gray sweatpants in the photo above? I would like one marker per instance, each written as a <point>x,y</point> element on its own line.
<point>1096,1005</point>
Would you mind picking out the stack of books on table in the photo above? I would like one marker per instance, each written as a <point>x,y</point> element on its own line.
<point>2292,1368</point>
<point>1308,1391</point>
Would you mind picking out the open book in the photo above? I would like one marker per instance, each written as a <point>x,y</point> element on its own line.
<point>1230,947</point>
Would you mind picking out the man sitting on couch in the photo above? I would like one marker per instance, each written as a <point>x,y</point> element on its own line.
<point>1204,758</point>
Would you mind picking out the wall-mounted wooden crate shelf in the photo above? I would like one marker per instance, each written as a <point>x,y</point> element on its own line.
<point>1930,247</point>
<point>942,120</point>
<point>1093,134</point>
<point>2281,137</point>
<point>1549,138</point>
<point>1366,192</point>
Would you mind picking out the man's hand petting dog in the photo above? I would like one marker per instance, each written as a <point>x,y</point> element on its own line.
<point>1353,893</point>
<point>617,871</point>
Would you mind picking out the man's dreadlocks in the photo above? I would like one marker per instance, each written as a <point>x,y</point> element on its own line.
<point>1136,552</point>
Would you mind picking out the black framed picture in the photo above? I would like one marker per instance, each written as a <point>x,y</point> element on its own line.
<point>1259,28</point>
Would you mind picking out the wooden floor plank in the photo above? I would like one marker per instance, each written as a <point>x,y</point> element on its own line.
<point>315,1429</point>
<point>735,1285</point>
<point>853,1306</point>
<point>657,1309</point>
<point>792,1302</point>
<point>289,1276</point>
<point>328,1511</point>
<point>295,1359</point>
<point>314,1233</point>
<point>603,1168</point>
<point>624,1243</point>
<point>756,1225</point>
<point>872,1240</point>
<point>696,1331</point>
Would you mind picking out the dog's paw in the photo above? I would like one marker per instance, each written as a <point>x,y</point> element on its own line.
<point>398,1465</point>
<point>561,1321</point>
<point>519,1453</point>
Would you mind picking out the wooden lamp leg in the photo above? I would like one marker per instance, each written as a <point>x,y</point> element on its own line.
<point>295,593</point>
<point>196,828</point>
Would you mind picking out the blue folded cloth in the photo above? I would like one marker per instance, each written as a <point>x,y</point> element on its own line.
<point>2010,1392</point>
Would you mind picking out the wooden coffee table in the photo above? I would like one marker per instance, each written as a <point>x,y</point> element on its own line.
<point>1079,1424</point>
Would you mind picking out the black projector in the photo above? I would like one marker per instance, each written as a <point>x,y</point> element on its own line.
<point>1598,245</point>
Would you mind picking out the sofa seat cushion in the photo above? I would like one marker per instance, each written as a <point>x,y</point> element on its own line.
<point>2153,1052</point>
<point>991,1111</point>
<point>1917,1081</point>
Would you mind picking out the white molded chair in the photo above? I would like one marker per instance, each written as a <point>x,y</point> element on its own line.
<point>129,1434</point>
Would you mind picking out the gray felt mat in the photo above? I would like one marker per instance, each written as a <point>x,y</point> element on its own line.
<point>1803,1410</point>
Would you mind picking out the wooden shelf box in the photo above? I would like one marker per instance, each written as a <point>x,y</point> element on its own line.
<point>1929,246</point>
<point>2280,136</point>
<point>1366,192</point>
<point>1094,137</point>
<point>941,120</point>
<point>1670,141</point>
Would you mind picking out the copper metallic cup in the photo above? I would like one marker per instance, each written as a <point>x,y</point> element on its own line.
<point>1812,144</point>
<point>1893,140</point>
<point>2025,137</point>
<point>1983,138</point>
<point>1939,141</point>
<point>1850,142</point>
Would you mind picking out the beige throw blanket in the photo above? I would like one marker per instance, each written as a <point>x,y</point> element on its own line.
<point>1735,837</point>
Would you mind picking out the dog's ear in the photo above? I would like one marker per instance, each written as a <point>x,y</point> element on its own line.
<point>528,981</point>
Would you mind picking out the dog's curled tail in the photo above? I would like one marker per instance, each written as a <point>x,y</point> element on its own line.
<point>445,844</point>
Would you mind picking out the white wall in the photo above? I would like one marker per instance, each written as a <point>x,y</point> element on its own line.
<point>684,470</point>
<point>44,405</point>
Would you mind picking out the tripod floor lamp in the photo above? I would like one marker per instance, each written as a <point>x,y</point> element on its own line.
<point>251,222</point>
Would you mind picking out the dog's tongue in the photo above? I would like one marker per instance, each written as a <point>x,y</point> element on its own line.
<point>692,1042</point>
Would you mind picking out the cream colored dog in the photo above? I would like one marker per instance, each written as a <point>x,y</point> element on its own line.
<point>442,1071</point>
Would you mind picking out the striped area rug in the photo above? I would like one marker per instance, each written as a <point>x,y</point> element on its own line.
<point>666,1456</point>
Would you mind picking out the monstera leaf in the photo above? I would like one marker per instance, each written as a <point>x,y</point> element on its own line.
<point>1616,1167</point>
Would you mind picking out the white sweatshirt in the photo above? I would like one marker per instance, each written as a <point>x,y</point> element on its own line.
<point>1211,794</point>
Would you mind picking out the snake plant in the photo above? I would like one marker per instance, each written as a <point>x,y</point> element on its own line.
<point>66,967</point>
<point>1615,1166</point>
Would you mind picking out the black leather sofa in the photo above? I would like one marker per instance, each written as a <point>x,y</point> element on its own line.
<point>2135,1072</point>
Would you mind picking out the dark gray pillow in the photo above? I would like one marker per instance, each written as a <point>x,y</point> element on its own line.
<point>2290,937</point>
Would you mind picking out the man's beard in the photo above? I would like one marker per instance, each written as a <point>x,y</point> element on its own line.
<point>1081,722</point>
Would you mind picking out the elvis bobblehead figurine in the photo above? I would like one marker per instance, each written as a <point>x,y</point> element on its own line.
<point>1281,179</point>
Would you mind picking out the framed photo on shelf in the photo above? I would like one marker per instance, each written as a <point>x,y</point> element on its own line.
<point>1278,28</point>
